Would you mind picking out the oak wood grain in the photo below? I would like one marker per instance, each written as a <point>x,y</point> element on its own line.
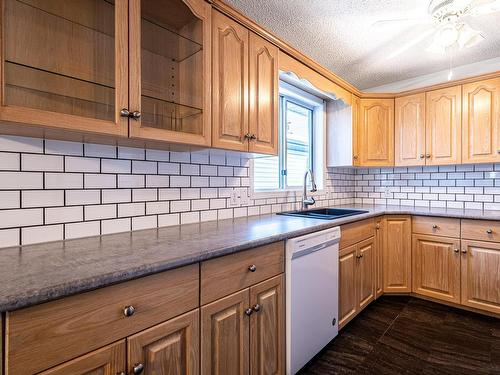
<point>481,230</point>
<point>355,232</point>
<point>409,139</point>
<point>397,254</point>
<point>439,226</point>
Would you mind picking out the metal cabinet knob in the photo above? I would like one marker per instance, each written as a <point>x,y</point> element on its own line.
<point>136,115</point>
<point>422,156</point>
<point>464,251</point>
<point>434,226</point>
<point>489,231</point>
<point>252,268</point>
<point>456,250</point>
<point>498,151</point>
<point>428,156</point>
<point>129,311</point>
<point>256,307</point>
<point>249,311</point>
<point>138,368</point>
<point>125,112</point>
<point>248,136</point>
<point>355,157</point>
<point>121,373</point>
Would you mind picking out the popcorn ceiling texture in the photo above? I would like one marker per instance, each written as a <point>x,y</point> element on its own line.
<point>340,36</point>
<point>55,190</point>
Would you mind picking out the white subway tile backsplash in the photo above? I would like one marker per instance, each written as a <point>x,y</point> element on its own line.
<point>157,155</point>
<point>10,199</point>
<point>9,161</point>
<point>153,208</point>
<point>63,214</point>
<point>21,180</point>
<point>169,194</point>
<point>131,209</point>
<point>157,181</point>
<point>100,151</point>
<point>143,195</point>
<point>131,153</point>
<point>115,166</point>
<point>21,144</point>
<point>46,233</point>
<point>190,217</point>
<point>116,195</point>
<point>10,237</point>
<point>99,181</point>
<point>21,217</point>
<point>82,197</point>
<point>84,229</point>
<point>144,222</point>
<point>101,211</point>
<point>180,157</point>
<point>180,206</point>
<point>63,181</point>
<point>63,147</point>
<point>82,164</point>
<point>42,198</point>
<point>168,220</point>
<point>169,168</point>
<point>130,181</point>
<point>115,226</point>
<point>144,167</point>
<point>190,193</point>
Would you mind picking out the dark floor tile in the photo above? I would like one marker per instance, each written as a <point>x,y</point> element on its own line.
<point>367,328</point>
<point>385,360</point>
<point>425,311</point>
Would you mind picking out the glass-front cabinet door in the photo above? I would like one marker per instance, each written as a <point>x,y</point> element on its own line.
<point>65,64</point>
<point>170,70</point>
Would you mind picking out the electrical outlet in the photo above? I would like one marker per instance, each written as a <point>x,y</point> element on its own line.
<point>234,199</point>
<point>387,192</point>
<point>244,198</point>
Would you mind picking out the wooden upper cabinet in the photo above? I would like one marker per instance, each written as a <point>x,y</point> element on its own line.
<point>109,360</point>
<point>443,126</point>
<point>168,348</point>
<point>397,254</point>
<point>480,282</point>
<point>481,122</point>
<point>225,330</point>
<point>229,83</point>
<point>356,103</point>
<point>410,130</point>
<point>264,96</point>
<point>436,267</point>
<point>170,59</point>
<point>65,64</point>
<point>267,327</point>
<point>376,132</point>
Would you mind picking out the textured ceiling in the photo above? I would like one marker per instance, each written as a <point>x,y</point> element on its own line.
<point>340,35</point>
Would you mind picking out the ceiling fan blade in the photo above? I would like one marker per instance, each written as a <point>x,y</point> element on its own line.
<point>483,7</point>
<point>423,35</point>
<point>412,21</point>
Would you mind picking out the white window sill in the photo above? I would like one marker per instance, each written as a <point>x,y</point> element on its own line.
<point>264,194</point>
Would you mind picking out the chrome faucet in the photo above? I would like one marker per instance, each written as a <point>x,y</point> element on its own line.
<point>306,202</point>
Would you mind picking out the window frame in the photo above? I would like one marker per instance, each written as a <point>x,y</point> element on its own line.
<point>318,143</point>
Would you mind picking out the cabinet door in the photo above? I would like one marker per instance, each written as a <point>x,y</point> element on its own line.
<point>365,272</point>
<point>443,126</point>
<point>410,130</point>
<point>356,103</point>
<point>397,254</point>
<point>229,83</point>
<point>480,275</point>
<point>264,96</point>
<point>348,302</point>
<point>65,64</point>
<point>109,360</point>
<point>379,264</point>
<point>376,132</point>
<point>225,330</point>
<point>168,348</point>
<point>436,267</point>
<point>170,70</point>
<point>267,327</point>
<point>481,122</point>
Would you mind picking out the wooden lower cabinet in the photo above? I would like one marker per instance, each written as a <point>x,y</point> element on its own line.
<point>356,279</point>
<point>109,360</point>
<point>436,267</point>
<point>348,306</point>
<point>397,254</point>
<point>379,260</point>
<point>480,263</point>
<point>365,272</point>
<point>225,335</point>
<point>168,348</point>
<point>267,327</point>
<point>244,332</point>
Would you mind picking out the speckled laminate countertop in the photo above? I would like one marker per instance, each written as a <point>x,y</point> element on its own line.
<point>39,273</point>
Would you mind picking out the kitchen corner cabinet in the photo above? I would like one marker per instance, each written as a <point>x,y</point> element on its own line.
<point>376,132</point>
<point>443,126</point>
<point>244,88</point>
<point>170,59</point>
<point>481,122</point>
<point>436,267</point>
<point>409,139</point>
<point>480,263</point>
<point>397,254</point>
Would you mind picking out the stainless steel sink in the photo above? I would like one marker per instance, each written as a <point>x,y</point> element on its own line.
<point>324,213</point>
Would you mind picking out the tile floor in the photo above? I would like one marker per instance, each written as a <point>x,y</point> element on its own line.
<point>404,335</point>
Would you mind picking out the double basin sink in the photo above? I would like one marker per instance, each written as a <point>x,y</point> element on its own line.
<point>323,213</point>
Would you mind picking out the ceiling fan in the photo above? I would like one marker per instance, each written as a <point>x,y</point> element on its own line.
<point>449,28</point>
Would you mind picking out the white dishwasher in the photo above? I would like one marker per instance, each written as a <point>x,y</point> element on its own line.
<point>311,295</point>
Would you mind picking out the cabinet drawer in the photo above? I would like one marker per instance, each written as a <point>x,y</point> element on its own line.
<point>482,230</point>
<point>356,232</point>
<point>439,226</point>
<point>43,336</point>
<point>228,274</point>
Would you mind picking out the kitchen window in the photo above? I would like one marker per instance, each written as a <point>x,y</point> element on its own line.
<point>298,122</point>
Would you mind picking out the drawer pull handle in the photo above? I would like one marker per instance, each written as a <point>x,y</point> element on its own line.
<point>249,311</point>
<point>489,231</point>
<point>256,307</point>
<point>129,311</point>
<point>456,250</point>
<point>252,268</point>
<point>138,368</point>
<point>434,226</point>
